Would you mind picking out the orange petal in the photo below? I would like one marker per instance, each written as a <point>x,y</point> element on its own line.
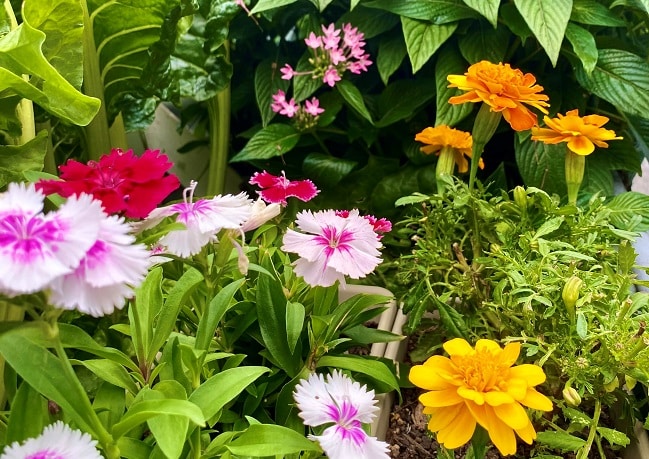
<point>520,119</point>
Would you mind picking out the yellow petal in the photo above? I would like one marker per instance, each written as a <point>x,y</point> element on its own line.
<point>510,354</point>
<point>537,401</point>
<point>428,378</point>
<point>440,398</point>
<point>527,433</point>
<point>532,374</point>
<point>581,145</point>
<point>495,398</point>
<point>479,413</point>
<point>442,417</point>
<point>487,345</point>
<point>502,436</point>
<point>459,431</point>
<point>470,394</point>
<point>512,414</point>
<point>458,346</point>
<point>517,388</point>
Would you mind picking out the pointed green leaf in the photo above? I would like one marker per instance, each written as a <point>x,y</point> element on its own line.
<point>434,11</point>
<point>402,99</point>
<point>111,372</point>
<point>487,8</point>
<point>449,62</point>
<point>28,415</point>
<point>592,12</point>
<point>548,20</point>
<point>265,5</point>
<point>325,169</point>
<point>423,39</point>
<point>560,440</point>
<point>15,160</point>
<point>392,50</point>
<point>625,208</point>
<point>541,165</point>
<point>217,308</point>
<point>261,440</point>
<point>273,140</point>
<point>141,411</point>
<point>484,43</point>
<point>583,43</point>
<point>267,82</point>
<point>375,369</point>
<point>294,323</point>
<point>142,312</point>
<point>354,98</point>
<point>614,437</point>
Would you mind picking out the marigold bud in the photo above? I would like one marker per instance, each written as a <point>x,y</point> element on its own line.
<point>629,381</point>
<point>612,385</point>
<point>571,396</point>
<point>570,294</point>
<point>520,197</point>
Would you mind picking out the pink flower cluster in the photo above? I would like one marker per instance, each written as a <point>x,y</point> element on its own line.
<point>334,52</point>
<point>305,116</point>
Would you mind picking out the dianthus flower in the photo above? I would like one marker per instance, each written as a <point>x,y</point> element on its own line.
<point>332,247</point>
<point>345,405</point>
<point>203,219</point>
<point>480,386</point>
<point>380,225</point>
<point>58,441</point>
<point>124,183</point>
<point>459,143</point>
<point>504,89</point>
<point>276,188</point>
<point>581,133</point>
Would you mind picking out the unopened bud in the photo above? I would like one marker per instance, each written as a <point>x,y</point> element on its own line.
<point>570,294</point>
<point>520,197</point>
<point>629,382</point>
<point>612,385</point>
<point>571,396</point>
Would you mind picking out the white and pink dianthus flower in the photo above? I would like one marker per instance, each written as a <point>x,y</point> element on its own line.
<point>57,441</point>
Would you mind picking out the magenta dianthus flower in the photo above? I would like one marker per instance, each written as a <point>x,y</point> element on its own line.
<point>276,188</point>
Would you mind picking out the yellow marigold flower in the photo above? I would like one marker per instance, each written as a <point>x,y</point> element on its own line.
<point>504,89</point>
<point>480,386</point>
<point>581,133</point>
<point>442,136</point>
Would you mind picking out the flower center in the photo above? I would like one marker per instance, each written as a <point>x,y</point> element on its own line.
<point>347,426</point>
<point>28,237</point>
<point>45,454</point>
<point>482,372</point>
<point>334,238</point>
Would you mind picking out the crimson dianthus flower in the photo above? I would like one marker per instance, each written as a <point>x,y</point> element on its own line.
<point>125,184</point>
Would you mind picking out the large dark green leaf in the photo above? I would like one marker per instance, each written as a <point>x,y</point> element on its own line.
<point>639,128</point>
<point>484,43</point>
<point>352,95</point>
<point>15,160</point>
<point>449,62</point>
<point>267,83</point>
<point>273,140</point>
<point>541,165</point>
<point>548,20</point>
<point>630,211</point>
<point>325,169</point>
<point>392,50</point>
<point>487,8</point>
<point>423,39</point>
<point>592,12</point>
<point>435,11</point>
<point>402,99</point>
<point>583,43</point>
<point>621,78</point>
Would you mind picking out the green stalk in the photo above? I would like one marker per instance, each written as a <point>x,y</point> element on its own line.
<point>484,127</point>
<point>97,135</point>
<point>445,167</point>
<point>583,452</point>
<point>218,110</point>
<point>575,165</point>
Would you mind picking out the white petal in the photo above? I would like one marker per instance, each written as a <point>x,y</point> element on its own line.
<point>57,440</point>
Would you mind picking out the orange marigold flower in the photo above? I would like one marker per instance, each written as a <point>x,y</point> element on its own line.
<point>504,89</point>
<point>581,133</point>
<point>480,386</point>
<point>442,136</point>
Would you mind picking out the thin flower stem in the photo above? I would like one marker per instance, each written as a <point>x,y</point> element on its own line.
<point>218,110</point>
<point>583,452</point>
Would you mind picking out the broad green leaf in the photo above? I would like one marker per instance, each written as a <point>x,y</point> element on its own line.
<point>621,78</point>
<point>487,8</point>
<point>28,415</point>
<point>583,43</point>
<point>484,43</point>
<point>326,169</point>
<point>452,320</point>
<point>142,312</point>
<point>614,437</point>
<point>548,20</point>
<point>131,448</point>
<point>515,22</point>
<point>321,4</point>
<point>261,440</point>
<point>169,431</point>
<point>264,5</point>
<point>223,387</point>
<point>638,146</point>
<point>294,323</point>
<point>435,11</point>
<point>354,98</point>
<point>449,62</point>
<point>20,54</point>
<point>62,23</point>
<point>109,403</point>
<point>423,39</point>
<point>304,85</point>
<point>141,411</point>
<point>392,50</point>
<point>560,440</point>
<point>370,21</point>
<point>549,227</point>
<point>626,207</point>
<point>111,372</point>
<point>402,99</point>
<point>217,308</point>
<point>541,165</point>
<point>592,12</point>
<point>267,83</point>
<point>375,369</point>
<point>15,160</point>
<point>403,182</point>
<point>582,325</point>
<point>273,140</point>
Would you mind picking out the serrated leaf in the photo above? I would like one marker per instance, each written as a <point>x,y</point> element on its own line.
<point>423,39</point>
<point>487,8</point>
<point>576,416</point>
<point>624,209</point>
<point>414,199</point>
<point>592,12</point>
<point>354,98</point>
<point>392,50</point>
<point>273,140</point>
<point>449,62</point>
<point>549,227</point>
<point>304,85</point>
<point>621,78</point>
<point>402,99</point>
<point>326,169</point>
<point>584,46</point>
<point>541,165</point>
<point>639,128</point>
<point>267,82</point>
<point>614,437</point>
<point>548,20</point>
<point>484,43</point>
<point>435,11</point>
<point>265,5</point>
<point>560,440</point>
<point>513,19</point>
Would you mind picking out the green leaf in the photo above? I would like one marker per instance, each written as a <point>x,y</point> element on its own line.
<point>265,5</point>
<point>484,43</point>
<point>217,308</point>
<point>267,82</point>
<point>541,165</point>
<point>354,98</point>
<point>452,320</point>
<point>28,415</point>
<point>614,437</point>
<point>423,39</point>
<point>375,369</point>
<point>304,85</point>
<point>261,440</point>
<point>15,160</point>
<point>515,22</point>
<point>549,226</point>
<point>548,20</point>
<point>625,209</point>
<point>169,431</point>
<point>583,43</point>
<point>621,78</point>
<point>401,99</point>
<point>62,23</point>
<point>273,140</point>
<point>592,12</point>
<point>435,11</point>
<point>141,411</point>
<point>560,440</point>
<point>638,146</point>
<point>294,323</point>
<point>449,62</point>
<point>487,8</point>
<point>20,54</point>
<point>111,372</point>
<point>392,50</point>
<point>223,387</point>
<point>582,325</point>
<point>142,313</point>
<point>325,169</point>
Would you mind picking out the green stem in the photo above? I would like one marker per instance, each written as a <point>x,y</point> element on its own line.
<point>218,110</point>
<point>575,165</point>
<point>97,135</point>
<point>583,452</point>
<point>49,163</point>
<point>445,167</point>
<point>484,127</point>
